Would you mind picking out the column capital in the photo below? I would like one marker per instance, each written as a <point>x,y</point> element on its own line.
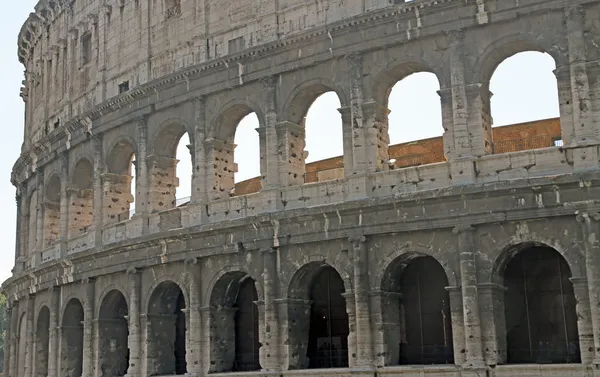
<point>579,282</point>
<point>133,270</point>
<point>582,217</point>
<point>455,37</point>
<point>191,261</point>
<point>357,240</point>
<point>463,228</point>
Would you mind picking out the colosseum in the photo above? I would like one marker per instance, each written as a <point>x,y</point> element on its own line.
<point>481,260</point>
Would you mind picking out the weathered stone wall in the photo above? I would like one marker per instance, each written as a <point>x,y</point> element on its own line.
<point>171,275</point>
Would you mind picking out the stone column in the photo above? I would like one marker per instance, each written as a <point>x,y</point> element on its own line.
<point>386,326</point>
<point>294,322</point>
<point>53,343</point>
<point>585,132</point>
<point>468,272</point>
<point>367,129</point>
<point>24,232</point>
<point>458,324</point>
<point>472,135</point>
<point>205,337</point>
<point>584,320</point>
<point>194,347</point>
<point>491,300</point>
<point>565,101</point>
<point>88,321</point>
<point>7,335</point>
<point>199,168</point>
<point>97,190</point>
<point>273,160</point>
<point>14,332</point>
<point>142,204</point>
<point>64,203</point>
<point>353,347</point>
<point>37,256</point>
<point>18,199</point>
<point>590,226</point>
<point>29,343</point>
<point>346,113</point>
<point>447,105</point>
<point>133,320</point>
<point>269,352</point>
<point>364,350</point>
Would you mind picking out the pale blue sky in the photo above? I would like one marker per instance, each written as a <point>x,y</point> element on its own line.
<point>524,89</point>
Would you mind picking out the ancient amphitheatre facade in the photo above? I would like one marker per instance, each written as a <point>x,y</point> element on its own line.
<point>483,264</point>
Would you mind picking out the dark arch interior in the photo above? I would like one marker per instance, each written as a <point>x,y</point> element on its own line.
<point>167,323</point>
<point>426,331</point>
<point>246,328</point>
<point>541,321</point>
<point>42,338</point>
<point>53,189</point>
<point>72,340</point>
<point>329,327</point>
<point>113,333</point>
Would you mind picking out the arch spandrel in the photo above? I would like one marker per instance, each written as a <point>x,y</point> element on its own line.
<point>223,122</point>
<point>404,252</point>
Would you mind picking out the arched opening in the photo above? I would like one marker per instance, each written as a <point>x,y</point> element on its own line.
<point>22,345</point>
<point>42,338</point>
<point>417,312</point>
<point>541,321</point>
<point>315,134</point>
<point>234,331</point>
<point>324,150</point>
<point>415,136</point>
<point>167,325</point>
<point>52,211</point>
<point>170,168</point>
<point>525,104</point>
<point>71,351</point>
<point>113,331</point>
<point>32,221</point>
<point>119,185</point>
<point>329,326</point>
<point>81,198</point>
<point>247,150</point>
<point>235,153</point>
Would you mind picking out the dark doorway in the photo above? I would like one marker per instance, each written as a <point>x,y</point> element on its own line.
<point>246,328</point>
<point>167,330</point>
<point>328,334</point>
<point>42,339</point>
<point>427,335</point>
<point>112,335</point>
<point>541,321</point>
<point>71,364</point>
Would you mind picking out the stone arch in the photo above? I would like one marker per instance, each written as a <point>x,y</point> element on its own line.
<point>167,327</point>
<point>511,247</point>
<point>308,325</point>
<point>539,313</point>
<point>72,338</point>
<point>163,281</point>
<point>302,278</point>
<point>304,95</point>
<point>52,188</point>
<point>405,254</point>
<point>166,138</point>
<point>395,71</point>
<point>233,310</point>
<point>226,274</point>
<point>505,47</point>
<point>224,123</point>
<point>416,309</point>
<point>120,155</point>
<point>81,197</point>
<point>42,342</point>
<point>113,331</point>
